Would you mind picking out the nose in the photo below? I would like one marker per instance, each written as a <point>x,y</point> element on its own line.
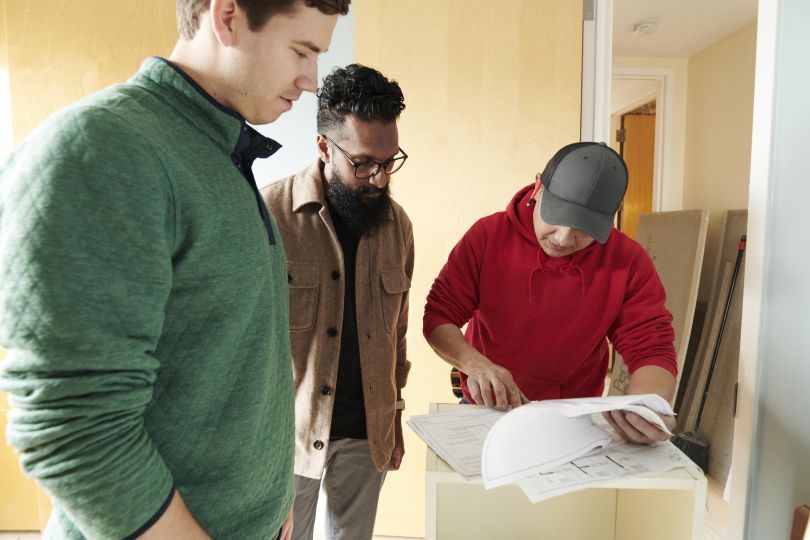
<point>307,80</point>
<point>565,237</point>
<point>380,179</point>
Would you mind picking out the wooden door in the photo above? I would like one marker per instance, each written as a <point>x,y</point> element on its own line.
<point>638,151</point>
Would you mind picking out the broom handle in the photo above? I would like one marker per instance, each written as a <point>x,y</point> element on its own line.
<point>716,350</point>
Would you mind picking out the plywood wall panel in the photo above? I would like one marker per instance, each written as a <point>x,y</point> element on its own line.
<point>492,90</point>
<point>62,50</point>
<point>55,53</point>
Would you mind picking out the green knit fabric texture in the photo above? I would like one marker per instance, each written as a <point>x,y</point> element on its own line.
<point>145,317</point>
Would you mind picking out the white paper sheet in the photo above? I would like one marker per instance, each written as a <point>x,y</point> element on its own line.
<point>645,405</point>
<point>620,460</point>
<point>457,437</point>
<point>535,438</point>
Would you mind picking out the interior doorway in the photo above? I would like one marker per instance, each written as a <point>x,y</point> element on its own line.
<point>631,89</point>
<point>636,140</point>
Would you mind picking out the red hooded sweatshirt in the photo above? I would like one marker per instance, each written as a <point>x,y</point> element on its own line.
<point>547,319</point>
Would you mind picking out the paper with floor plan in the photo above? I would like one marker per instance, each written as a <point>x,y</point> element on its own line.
<point>620,460</point>
<point>551,447</point>
<point>535,438</point>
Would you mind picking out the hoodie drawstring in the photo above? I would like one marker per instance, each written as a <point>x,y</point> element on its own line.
<point>567,267</point>
<point>573,268</point>
<point>541,268</point>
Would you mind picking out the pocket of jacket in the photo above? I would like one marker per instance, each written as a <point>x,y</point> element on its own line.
<point>303,281</point>
<point>394,284</point>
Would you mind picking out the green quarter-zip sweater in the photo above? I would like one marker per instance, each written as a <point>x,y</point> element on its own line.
<point>144,308</point>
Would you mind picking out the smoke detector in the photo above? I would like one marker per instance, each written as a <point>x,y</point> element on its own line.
<point>644,28</point>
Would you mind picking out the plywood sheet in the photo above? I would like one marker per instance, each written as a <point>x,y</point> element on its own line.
<point>734,226</point>
<point>717,423</point>
<point>675,242</point>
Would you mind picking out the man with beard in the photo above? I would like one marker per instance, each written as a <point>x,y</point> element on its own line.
<point>350,256</point>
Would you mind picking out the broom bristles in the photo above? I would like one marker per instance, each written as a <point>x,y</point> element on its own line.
<point>696,448</point>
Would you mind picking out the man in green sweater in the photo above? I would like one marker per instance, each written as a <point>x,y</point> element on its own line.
<point>143,288</point>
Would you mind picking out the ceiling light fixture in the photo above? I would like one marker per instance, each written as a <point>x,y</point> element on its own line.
<point>644,28</point>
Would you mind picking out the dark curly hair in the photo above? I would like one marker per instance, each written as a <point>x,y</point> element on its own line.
<point>360,91</point>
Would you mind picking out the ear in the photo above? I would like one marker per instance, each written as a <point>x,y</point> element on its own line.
<point>538,186</point>
<point>323,148</point>
<point>224,14</point>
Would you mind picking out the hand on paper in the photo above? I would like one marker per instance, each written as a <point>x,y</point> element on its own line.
<point>399,445</point>
<point>489,384</point>
<point>635,429</point>
<point>494,386</point>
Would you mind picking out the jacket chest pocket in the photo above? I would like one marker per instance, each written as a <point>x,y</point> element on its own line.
<point>303,282</point>
<point>394,283</point>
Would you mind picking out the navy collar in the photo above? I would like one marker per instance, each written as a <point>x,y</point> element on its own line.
<point>226,127</point>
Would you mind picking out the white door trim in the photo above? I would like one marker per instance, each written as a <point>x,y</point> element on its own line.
<point>746,446</point>
<point>597,62</point>
<point>663,130</point>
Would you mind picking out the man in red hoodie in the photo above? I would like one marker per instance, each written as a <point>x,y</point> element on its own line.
<point>544,285</point>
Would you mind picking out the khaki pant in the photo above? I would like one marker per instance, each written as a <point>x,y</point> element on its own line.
<point>352,485</point>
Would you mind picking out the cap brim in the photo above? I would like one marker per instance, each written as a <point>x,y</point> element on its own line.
<point>557,211</point>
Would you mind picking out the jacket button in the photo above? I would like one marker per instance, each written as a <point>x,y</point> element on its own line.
<point>331,332</point>
<point>289,278</point>
<point>325,390</point>
<point>318,445</point>
<point>335,275</point>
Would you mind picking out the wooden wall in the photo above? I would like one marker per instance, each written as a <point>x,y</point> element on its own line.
<point>492,90</point>
<point>55,53</point>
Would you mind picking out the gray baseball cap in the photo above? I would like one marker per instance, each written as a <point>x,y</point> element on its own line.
<point>583,186</point>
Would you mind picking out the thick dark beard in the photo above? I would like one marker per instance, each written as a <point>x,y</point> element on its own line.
<point>359,217</point>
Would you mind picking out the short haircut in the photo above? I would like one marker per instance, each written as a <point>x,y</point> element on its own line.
<point>258,11</point>
<point>359,91</point>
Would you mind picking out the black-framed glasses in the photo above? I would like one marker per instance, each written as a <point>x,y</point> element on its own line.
<point>366,169</point>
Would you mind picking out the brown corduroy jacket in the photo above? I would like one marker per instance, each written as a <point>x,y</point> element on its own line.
<point>384,268</point>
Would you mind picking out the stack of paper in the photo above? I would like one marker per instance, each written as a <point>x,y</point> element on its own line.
<point>550,447</point>
<point>457,437</point>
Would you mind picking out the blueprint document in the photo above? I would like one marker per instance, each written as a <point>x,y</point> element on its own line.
<point>619,460</point>
<point>547,448</point>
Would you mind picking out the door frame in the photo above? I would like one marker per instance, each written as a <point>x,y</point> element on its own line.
<point>598,73</point>
<point>663,129</point>
<point>597,65</point>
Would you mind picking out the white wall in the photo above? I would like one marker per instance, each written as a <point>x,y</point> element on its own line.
<point>776,343</point>
<point>296,129</point>
<point>718,135</point>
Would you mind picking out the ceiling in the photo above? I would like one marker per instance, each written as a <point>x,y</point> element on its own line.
<point>684,27</point>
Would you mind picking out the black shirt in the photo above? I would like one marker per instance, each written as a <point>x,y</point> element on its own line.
<point>349,414</point>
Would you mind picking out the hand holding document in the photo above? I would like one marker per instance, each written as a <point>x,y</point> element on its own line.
<point>544,435</point>
<point>538,445</point>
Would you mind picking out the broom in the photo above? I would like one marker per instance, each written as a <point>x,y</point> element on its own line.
<point>692,443</point>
